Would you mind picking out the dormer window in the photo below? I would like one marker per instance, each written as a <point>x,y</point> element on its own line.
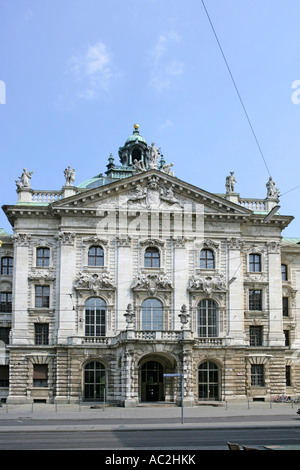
<point>152,258</point>
<point>207,259</point>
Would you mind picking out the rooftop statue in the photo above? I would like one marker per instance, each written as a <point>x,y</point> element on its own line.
<point>24,179</point>
<point>272,192</point>
<point>230,182</point>
<point>154,156</point>
<point>70,176</point>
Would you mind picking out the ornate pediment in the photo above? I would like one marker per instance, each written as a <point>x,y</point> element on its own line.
<point>151,190</point>
<point>151,282</point>
<point>94,282</point>
<point>207,284</point>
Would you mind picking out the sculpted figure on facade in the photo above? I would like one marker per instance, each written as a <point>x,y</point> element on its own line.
<point>93,282</point>
<point>138,167</point>
<point>207,284</point>
<point>166,168</point>
<point>151,282</point>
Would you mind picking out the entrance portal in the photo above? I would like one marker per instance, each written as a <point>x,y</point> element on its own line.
<point>152,386</point>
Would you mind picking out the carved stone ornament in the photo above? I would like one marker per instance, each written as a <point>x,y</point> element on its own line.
<point>130,317</point>
<point>207,284</point>
<point>37,274</point>
<point>65,238</point>
<point>153,196</point>
<point>235,243</point>
<point>21,239</point>
<point>151,282</point>
<point>184,317</point>
<point>94,282</point>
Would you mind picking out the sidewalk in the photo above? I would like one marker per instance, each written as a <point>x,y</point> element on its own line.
<point>88,417</point>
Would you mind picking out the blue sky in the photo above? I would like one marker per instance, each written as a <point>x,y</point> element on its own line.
<point>79,73</point>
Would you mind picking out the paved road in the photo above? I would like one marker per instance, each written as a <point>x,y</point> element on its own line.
<point>185,439</point>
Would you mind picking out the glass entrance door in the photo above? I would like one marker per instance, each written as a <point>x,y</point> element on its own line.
<point>208,381</point>
<point>152,386</point>
<point>94,381</point>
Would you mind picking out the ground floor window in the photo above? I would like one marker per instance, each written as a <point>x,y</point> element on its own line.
<point>94,381</point>
<point>40,375</point>
<point>4,376</point>
<point>208,381</point>
<point>257,375</point>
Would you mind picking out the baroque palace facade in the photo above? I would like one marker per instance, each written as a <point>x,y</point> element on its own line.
<point>112,286</point>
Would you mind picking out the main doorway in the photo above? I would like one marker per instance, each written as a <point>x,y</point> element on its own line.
<point>152,386</point>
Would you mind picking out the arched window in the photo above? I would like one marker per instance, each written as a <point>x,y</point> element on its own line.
<point>136,155</point>
<point>152,315</point>
<point>43,257</point>
<point>7,263</point>
<point>207,259</point>
<point>207,319</point>
<point>94,381</point>
<point>95,310</point>
<point>254,263</point>
<point>152,258</point>
<point>96,256</point>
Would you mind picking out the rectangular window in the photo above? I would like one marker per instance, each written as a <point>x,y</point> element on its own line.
<point>284,273</point>
<point>43,257</point>
<point>288,381</point>
<point>4,334</point>
<point>256,335</point>
<point>287,337</point>
<point>255,299</point>
<point>4,376</point>
<point>6,302</point>
<point>257,375</point>
<point>285,306</point>
<point>41,331</point>
<point>7,266</point>
<point>40,375</point>
<point>255,263</point>
<point>42,296</point>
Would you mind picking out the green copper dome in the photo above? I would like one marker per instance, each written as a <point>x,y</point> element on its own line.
<point>135,136</point>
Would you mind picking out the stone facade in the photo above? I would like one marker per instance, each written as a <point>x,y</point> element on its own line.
<point>125,279</point>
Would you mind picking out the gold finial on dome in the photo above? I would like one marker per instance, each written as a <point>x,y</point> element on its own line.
<point>136,126</point>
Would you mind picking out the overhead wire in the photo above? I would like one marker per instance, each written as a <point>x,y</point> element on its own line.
<point>236,88</point>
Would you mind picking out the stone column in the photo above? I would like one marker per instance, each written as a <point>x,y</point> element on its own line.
<point>123,279</point>
<point>20,290</point>
<point>128,377</point>
<point>276,336</point>
<point>180,279</point>
<point>235,295</point>
<point>67,272</point>
<point>187,370</point>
